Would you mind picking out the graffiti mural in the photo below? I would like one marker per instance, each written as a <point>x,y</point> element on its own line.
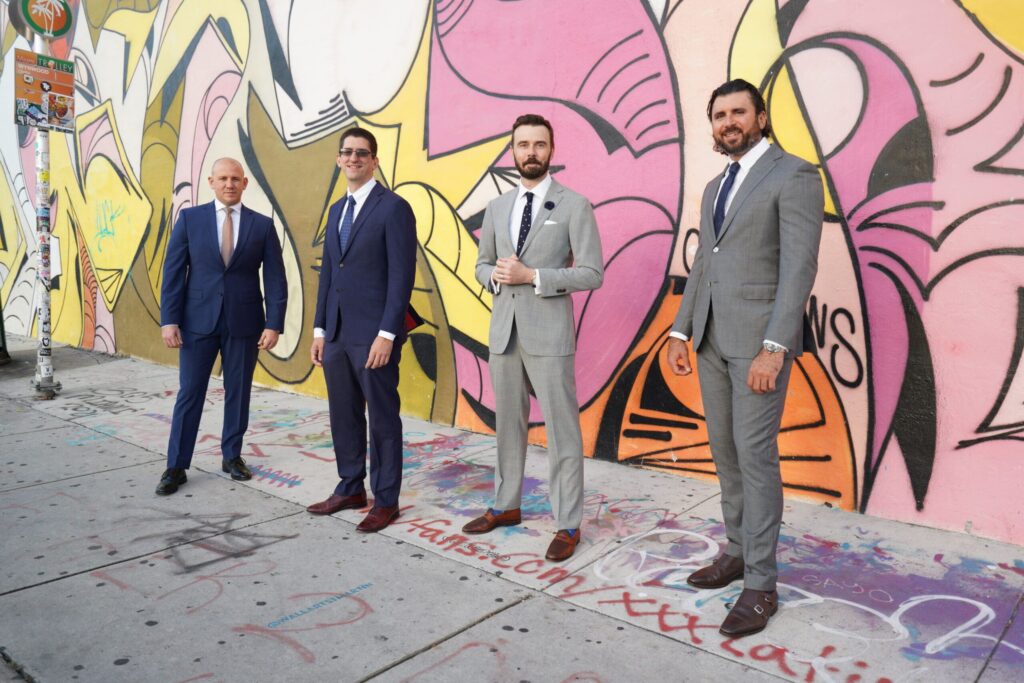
<point>911,408</point>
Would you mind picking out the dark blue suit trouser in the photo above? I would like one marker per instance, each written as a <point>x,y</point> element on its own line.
<point>351,390</point>
<point>195,363</point>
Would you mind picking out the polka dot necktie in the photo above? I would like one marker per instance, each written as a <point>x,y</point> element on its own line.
<point>524,225</point>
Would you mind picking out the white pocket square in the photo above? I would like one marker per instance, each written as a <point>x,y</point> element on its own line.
<point>550,222</point>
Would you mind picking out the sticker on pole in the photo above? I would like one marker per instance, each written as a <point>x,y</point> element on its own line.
<point>48,18</point>
<point>44,92</point>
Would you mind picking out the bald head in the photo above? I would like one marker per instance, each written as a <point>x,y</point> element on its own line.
<point>228,181</point>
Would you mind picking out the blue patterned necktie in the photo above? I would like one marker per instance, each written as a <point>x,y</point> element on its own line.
<point>524,225</point>
<point>346,223</point>
<point>723,196</point>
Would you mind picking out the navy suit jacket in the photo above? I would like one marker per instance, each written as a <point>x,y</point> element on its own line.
<point>197,285</point>
<point>367,288</point>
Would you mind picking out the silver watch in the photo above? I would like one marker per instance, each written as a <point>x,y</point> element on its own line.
<point>772,347</point>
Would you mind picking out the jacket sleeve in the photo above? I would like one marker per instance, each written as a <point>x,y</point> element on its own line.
<point>176,272</point>
<point>487,252</point>
<point>801,211</point>
<point>587,269</point>
<point>684,318</point>
<point>275,282</point>
<point>400,242</point>
<point>324,286</point>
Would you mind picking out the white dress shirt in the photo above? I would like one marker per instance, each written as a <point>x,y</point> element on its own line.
<point>540,191</point>
<point>360,196</point>
<point>746,162</point>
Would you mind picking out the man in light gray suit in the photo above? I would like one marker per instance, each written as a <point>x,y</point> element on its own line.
<point>743,307</point>
<point>539,243</point>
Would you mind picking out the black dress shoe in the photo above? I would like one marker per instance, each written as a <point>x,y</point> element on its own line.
<point>171,479</point>
<point>236,468</point>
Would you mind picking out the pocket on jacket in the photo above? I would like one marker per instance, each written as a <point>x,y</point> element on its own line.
<point>758,291</point>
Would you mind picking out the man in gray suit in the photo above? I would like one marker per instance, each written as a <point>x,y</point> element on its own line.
<point>743,307</point>
<point>539,243</point>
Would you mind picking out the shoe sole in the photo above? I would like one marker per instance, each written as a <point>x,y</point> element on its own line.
<point>708,586</point>
<point>331,512</point>
<point>487,531</point>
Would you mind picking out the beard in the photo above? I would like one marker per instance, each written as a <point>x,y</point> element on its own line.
<point>532,168</point>
<point>747,140</point>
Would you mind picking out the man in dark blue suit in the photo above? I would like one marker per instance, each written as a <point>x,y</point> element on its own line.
<point>211,303</point>
<point>362,314</point>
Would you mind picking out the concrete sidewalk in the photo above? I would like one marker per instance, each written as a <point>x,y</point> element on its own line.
<point>101,580</point>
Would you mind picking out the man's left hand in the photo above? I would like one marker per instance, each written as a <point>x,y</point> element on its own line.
<point>511,271</point>
<point>380,353</point>
<point>763,371</point>
<point>268,339</point>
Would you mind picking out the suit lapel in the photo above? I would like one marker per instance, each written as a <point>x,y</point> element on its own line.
<point>707,205</point>
<point>503,216</point>
<point>331,232</point>
<point>364,213</point>
<point>211,232</point>
<point>553,196</point>
<point>244,228</point>
<point>758,173</point>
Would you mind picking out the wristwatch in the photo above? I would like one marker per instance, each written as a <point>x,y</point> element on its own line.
<point>772,347</point>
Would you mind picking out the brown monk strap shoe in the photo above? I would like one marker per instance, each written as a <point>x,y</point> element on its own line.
<point>337,503</point>
<point>719,574</point>
<point>564,544</point>
<point>489,521</point>
<point>750,614</point>
<point>378,519</point>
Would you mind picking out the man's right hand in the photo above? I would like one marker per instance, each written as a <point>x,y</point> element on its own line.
<point>316,352</point>
<point>678,357</point>
<point>171,335</point>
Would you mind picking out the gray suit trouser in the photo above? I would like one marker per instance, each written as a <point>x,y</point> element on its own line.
<point>743,429</point>
<point>554,382</point>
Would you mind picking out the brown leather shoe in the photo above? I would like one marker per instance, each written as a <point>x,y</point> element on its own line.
<point>750,614</point>
<point>378,519</point>
<point>563,546</point>
<point>489,521</point>
<point>719,574</point>
<point>337,503</point>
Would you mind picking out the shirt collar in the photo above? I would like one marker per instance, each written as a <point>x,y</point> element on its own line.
<point>753,155</point>
<point>363,192</point>
<point>221,206</point>
<point>540,190</point>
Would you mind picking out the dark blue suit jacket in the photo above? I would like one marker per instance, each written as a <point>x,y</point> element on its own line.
<point>197,286</point>
<point>367,289</point>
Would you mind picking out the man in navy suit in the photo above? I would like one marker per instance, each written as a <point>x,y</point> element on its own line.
<point>362,308</point>
<point>211,303</point>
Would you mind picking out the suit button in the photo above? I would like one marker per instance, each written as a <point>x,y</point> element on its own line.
<point>341,265</point>
<point>715,250</point>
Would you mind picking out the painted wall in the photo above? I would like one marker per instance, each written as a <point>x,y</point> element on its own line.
<point>913,407</point>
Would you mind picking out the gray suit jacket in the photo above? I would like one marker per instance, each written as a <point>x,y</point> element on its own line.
<point>565,247</point>
<point>758,274</point>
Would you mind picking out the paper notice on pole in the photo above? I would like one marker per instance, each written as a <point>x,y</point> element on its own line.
<point>44,92</point>
<point>55,269</point>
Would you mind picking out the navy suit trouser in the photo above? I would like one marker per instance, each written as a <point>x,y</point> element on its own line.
<point>352,392</point>
<point>195,363</point>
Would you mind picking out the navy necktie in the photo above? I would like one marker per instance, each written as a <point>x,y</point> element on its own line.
<point>723,196</point>
<point>346,223</point>
<point>524,225</point>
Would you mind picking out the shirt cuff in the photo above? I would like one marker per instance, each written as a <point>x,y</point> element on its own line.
<point>679,335</point>
<point>784,349</point>
<point>386,335</point>
<point>536,282</point>
<point>495,285</point>
<point>319,333</point>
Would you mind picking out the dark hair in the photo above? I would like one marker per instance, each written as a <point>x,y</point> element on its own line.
<point>358,132</point>
<point>534,120</point>
<point>739,85</point>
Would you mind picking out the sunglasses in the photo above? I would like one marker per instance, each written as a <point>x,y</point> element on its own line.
<point>360,153</point>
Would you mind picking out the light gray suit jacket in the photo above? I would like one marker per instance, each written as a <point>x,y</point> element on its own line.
<point>564,246</point>
<point>757,275</point>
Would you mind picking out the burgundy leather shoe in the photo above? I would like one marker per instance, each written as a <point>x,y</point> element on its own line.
<point>563,546</point>
<point>336,503</point>
<point>750,614</point>
<point>719,574</point>
<point>378,519</point>
<point>489,521</point>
